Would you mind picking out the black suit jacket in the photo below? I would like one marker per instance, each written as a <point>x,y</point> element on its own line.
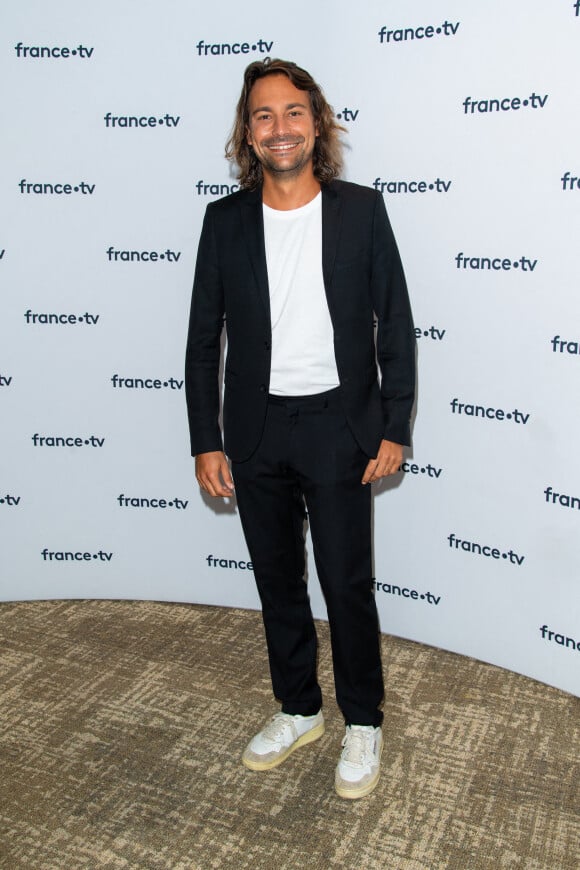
<point>364,280</point>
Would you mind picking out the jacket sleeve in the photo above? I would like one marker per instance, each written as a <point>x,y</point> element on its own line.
<point>202,359</point>
<point>395,330</point>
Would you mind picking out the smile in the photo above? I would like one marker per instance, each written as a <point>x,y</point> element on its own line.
<point>283,146</point>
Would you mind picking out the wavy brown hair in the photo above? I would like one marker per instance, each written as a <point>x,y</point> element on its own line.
<point>327,157</point>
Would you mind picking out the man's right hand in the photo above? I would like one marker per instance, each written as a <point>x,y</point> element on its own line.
<point>213,473</point>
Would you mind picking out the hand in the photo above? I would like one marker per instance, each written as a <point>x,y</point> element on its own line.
<point>213,473</point>
<point>387,461</point>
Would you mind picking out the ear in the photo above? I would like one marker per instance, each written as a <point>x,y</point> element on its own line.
<point>248,137</point>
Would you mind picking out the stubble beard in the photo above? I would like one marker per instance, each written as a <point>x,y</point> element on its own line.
<point>292,170</point>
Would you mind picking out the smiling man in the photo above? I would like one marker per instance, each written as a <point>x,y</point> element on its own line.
<point>301,265</point>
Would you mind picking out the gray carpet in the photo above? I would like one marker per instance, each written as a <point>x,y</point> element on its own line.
<point>122,723</point>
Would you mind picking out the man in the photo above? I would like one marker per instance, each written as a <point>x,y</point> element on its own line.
<point>300,265</point>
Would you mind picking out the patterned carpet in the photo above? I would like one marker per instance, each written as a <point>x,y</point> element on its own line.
<point>121,726</point>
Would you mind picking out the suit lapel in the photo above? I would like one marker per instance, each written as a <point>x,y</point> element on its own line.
<point>252,218</point>
<point>331,220</point>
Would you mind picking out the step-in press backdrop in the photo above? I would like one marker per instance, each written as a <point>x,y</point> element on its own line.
<point>465,116</point>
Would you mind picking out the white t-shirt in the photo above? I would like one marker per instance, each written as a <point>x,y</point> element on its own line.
<point>303,361</point>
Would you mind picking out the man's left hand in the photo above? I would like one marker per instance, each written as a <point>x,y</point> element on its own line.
<point>387,461</point>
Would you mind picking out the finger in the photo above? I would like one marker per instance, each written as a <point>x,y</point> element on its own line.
<point>227,478</point>
<point>212,484</point>
<point>383,469</point>
<point>369,471</point>
<point>377,474</point>
<point>391,467</point>
<point>218,490</point>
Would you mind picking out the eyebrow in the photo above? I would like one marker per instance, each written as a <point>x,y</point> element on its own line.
<point>289,106</point>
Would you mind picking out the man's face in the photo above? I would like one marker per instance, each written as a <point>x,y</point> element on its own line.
<point>281,126</point>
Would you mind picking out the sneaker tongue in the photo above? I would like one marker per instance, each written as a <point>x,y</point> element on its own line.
<point>355,746</point>
<point>275,730</point>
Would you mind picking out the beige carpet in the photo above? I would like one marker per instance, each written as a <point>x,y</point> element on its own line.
<point>121,726</point>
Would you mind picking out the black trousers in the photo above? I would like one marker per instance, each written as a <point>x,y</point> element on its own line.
<point>308,457</point>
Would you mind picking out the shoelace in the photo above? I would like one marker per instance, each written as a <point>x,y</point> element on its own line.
<point>358,746</point>
<point>277,727</point>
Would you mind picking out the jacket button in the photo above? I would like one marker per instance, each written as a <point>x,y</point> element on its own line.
<point>267,345</point>
<point>262,388</point>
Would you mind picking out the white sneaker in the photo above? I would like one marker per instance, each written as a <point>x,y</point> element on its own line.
<point>281,735</point>
<point>357,772</point>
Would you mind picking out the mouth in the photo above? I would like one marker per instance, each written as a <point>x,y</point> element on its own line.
<point>282,147</point>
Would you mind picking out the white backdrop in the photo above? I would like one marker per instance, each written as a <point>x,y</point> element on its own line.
<point>476,542</point>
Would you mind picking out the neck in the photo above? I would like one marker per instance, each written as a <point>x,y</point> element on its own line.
<point>284,194</point>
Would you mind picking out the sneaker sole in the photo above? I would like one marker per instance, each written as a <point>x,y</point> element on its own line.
<point>303,740</point>
<point>354,793</point>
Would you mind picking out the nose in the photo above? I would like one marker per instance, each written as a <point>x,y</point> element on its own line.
<point>279,126</point>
